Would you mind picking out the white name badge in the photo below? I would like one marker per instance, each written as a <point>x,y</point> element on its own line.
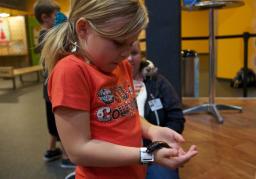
<point>155,104</point>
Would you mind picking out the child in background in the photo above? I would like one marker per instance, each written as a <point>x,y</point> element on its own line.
<point>91,91</point>
<point>47,14</point>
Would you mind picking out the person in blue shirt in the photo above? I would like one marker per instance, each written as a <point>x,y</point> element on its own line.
<point>47,13</point>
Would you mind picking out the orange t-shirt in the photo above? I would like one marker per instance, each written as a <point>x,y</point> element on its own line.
<point>109,99</point>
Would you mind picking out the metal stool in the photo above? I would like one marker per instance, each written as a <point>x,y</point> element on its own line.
<point>211,107</point>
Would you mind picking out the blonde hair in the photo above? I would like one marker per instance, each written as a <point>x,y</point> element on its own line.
<point>101,15</point>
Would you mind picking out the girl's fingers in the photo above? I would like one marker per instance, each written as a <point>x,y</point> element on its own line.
<point>178,138</point>
<point>173,153</point>
<point>174,158</point>
<point>192,147</point>
<point>169,153</point>
<point>181,151</point>
<point>189,154</point>
<point>182,159</point>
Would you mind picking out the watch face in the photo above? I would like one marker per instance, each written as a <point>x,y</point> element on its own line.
<point>145,157</point>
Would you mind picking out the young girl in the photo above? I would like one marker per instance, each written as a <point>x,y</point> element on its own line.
<point>91,91</point>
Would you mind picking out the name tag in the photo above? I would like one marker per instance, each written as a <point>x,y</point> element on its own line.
<point>155,104</point>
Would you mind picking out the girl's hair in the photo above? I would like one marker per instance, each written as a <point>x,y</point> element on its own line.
<point>113,19</point>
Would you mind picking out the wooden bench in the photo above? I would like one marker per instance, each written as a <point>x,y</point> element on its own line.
<point>11,72</point>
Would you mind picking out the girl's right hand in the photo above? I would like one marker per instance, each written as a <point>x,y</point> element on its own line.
<point>174,158</point>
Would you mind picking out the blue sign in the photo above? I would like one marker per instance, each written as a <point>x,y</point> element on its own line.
<point>189,2</point>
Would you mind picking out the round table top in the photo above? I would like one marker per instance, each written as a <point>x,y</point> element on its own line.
<point>215,4</point>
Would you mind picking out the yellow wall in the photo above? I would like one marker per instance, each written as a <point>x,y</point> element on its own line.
<point>12,12</point>
<point>64,4</point>
<point>229,22</point>
<point>230,52</point>
<point>195,23</point>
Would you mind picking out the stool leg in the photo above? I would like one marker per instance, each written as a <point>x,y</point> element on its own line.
<point>13,83</point>
<point>38,77</point>
<point>196,109</point>
<point>21,79</point>
<point>214,111</point>
<point>228,107</point>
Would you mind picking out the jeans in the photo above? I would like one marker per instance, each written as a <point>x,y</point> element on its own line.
<point>156,171</point>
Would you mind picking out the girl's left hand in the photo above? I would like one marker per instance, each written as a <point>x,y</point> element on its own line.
<point>177,157</point>
<point>167,135</point>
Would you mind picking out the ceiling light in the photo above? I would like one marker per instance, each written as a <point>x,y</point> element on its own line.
<point>4,15</point>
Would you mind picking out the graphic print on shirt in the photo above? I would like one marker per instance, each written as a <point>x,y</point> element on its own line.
<point>119,102</point>
<point>106,96</point>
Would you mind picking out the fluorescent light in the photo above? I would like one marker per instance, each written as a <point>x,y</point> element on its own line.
<point>4,15</point>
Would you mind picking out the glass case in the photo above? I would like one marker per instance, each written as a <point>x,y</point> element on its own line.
<point>13,38</point>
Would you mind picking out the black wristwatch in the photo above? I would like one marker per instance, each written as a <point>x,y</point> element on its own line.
<point>146,153</point>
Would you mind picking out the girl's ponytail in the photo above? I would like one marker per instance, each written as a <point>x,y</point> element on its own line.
<point>57,44</point>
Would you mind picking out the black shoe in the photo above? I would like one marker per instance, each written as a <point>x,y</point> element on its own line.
<point>66,163</point>
<point>51,155</point>
<point>72,175</point>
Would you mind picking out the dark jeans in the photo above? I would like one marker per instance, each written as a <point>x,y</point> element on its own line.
<point>51,120</point>
<point>156,171</point>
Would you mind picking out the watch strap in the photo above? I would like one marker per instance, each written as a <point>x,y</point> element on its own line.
<point>156,145</point>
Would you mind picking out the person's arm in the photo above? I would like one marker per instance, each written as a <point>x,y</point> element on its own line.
<point>154,133</point>
<point>172,107</point>
<point>40,45</point>
<point>74,130</point>
<point>174,157</point>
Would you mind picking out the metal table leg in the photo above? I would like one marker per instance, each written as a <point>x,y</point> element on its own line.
<point>211,107</point>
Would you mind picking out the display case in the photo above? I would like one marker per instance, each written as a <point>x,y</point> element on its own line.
<point>13,38</point>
